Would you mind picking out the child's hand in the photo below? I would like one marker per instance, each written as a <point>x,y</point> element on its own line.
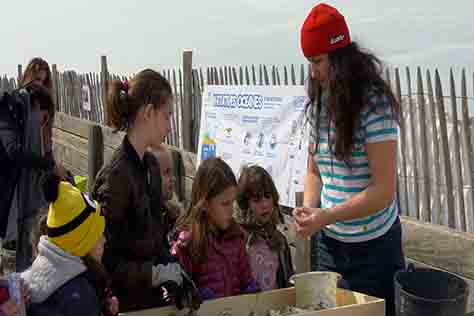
<point>24,292</point>
<point>9,308</point>
<point>112,305</point>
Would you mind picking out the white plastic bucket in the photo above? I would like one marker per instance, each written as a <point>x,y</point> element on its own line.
<point>316,290</point>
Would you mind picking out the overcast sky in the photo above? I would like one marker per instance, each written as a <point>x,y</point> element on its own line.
<point>137,34</point>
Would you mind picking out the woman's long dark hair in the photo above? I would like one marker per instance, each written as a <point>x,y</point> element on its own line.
<point>354,74</point>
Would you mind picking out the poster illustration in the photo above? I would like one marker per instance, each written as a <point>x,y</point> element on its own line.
<point>264,125</point>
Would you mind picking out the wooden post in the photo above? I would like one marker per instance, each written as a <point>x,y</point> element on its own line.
<point>435,143</point>
<point>54,79</point>
<point>187,99</point>
<point>445,152</point>
<point>20,74</point>
<point>412,111</point>
<point>95,154</point>
<point>403,142</point>
<point>468,150</point>
<point>425,210</point>
<point>457,154</point>
<point>104,79</point>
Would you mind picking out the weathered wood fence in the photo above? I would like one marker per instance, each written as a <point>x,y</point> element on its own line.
<point>436,166</point>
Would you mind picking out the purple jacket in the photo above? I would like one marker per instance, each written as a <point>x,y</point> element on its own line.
<point>226,272</point>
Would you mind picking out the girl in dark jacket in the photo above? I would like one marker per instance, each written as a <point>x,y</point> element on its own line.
<point>66,277</point>
<point>137,254</point>
<point>259,215</point>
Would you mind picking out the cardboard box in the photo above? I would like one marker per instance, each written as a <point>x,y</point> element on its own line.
<point>349,303</point>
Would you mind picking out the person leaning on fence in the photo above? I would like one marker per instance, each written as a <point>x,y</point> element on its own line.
<point>350,186</point>
<point>67,277</point>
<point>136,254</point>
<point>259,214</point>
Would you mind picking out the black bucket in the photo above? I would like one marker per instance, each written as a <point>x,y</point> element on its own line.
<point>430,292</point>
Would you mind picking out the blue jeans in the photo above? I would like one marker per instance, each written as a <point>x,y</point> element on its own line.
<point>366,267</point>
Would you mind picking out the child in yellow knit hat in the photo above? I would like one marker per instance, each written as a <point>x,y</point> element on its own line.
<point>67,277</point>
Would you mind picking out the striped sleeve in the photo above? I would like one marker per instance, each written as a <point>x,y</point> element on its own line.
<point>380,123</point>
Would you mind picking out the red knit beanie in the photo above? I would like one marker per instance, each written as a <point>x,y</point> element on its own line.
<point>323,31</point>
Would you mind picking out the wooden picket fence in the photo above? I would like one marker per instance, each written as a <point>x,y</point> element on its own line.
<point>436,165</point>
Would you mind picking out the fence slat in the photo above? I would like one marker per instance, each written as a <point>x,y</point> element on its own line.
<point>234,74</point>
<point>260,73</point>
<point>293,75</point>
<point>302,77</point>
<point>457,154</point>
<point>247,76</point>
<point>467,151</point>
<point>435,145</point>
<point>201,78</point>
<point>445,145</point>
<point>278,76</point>
<point>181,100</point>
<point>412,110</point>
<point>265,75</point>
<point>285,75</point>
<point>254,76</point>
<point>425,211</point>
<point>403,144</point>
<point>104,78</point>
<point>273,76</point>
<point>241,75</point>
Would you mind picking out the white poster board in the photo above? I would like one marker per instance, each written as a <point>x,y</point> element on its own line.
<point>86,98</point>
<point>262,125</point>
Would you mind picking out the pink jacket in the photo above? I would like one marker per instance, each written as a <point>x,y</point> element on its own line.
<point>226,271</point>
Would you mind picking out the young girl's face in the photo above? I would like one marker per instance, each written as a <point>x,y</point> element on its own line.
<point>263,207</point>
<point>98,250</point>
<point>220,208</point>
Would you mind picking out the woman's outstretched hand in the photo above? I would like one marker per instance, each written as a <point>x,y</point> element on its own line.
<point>309,221</point>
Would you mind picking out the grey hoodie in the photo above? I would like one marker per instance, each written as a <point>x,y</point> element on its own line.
<point>50,271</point>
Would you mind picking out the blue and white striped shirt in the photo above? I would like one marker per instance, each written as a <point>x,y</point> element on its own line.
<point>341,182</point>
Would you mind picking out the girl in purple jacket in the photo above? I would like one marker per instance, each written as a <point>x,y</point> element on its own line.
<point>210,244</point>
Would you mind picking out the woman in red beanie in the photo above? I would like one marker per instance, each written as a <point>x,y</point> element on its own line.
<point>350,187</point>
